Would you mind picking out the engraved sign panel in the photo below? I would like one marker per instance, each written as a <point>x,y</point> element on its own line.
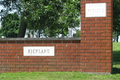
<point>95,10</point>
<point>38,51</point>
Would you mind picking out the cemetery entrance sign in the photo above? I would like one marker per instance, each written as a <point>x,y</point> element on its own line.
<point>90,53</point>
<point>38,51</point>
<point>95,9</point>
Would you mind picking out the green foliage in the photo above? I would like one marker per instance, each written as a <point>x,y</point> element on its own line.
<point>10,25</point>
<point>57,76</point>
<point>78,33</point>
<point>116,16</point>
<point>41,15</point>
<point>55,16</point>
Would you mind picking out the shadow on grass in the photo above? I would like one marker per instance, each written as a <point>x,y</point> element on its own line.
<point>116,62</point>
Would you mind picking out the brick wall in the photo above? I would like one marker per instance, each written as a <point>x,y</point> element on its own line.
<point>96,36</point>
<point>66,57</point>
<point>93,53</point>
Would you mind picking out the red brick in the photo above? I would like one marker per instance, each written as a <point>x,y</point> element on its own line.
<point>61,51</point>
<point>28,41</point>
<point>67,41</point>
<point>90,70</point>
<point>47,60</point>
<point>67,67</point>
<point>85,41</point>
<point>58,48</point>
<point>10,47</point>
<point>63,70</point>
<point>20,42</point>
<point>95,47</point>
<point>20,66</point>
<point>101,18</point>
<point>6,51</point>
<point>95,35</point>
<point>96,61</point>
<point>61,63</point>
<point>86,34</point>
<point>106,1</point>
<point>71,57</point>
<point>76,41</point>
<point>88,51</point>
<point>100,70</point>
<point>20,60</point>
<point>57,41</point>
<point>71,45</point>
<point>80,51</point>
<point>90,64</point>
<point>10,42</point>
<point>57,60</point>
<point>77,60</point>
<point>15,51</point>
<point>85,54</point>
<point>71,51</point>
<point>67,48</point>
<point>11,60</point>
<point>90,45</point>
<point>3,42</point>
<point>6,63</point>
<point>76,54</point>
<point>33,69</point>
<point>19,48</point>
<point>71,64</point>
<point>101,64</point>
<point>85,61</point>
<point>66,60</point>
<point>4,45</point>
<point>84,67</point>
<point>58,54</point>
<point>33,44</point>
<point>95,67</point>
<point>57,67</point>
<point>81,44</point>
<point>52,70</point>
<point>101,44</point>
<point>106,61</point>
<point>101,58</point>
<point>82,2</point>
<point>108,67</point>
<point>15,45</point>
<point>100,25</point>
<point>109,58</point>
<point>38,41</point>
<point>61,57</point>
<point>90,58</point>
<point>61,45</point>
<point>48,42</point>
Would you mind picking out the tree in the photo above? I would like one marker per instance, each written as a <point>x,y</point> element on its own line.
<point>78,33</point>
<point>53,15</point>
<point>10,25</point>
<point>116,18</point>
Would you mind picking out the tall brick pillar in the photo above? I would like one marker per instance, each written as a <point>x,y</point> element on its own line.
<point>96,36</point>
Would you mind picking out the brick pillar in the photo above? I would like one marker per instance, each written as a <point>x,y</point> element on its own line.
<point>96,36</point>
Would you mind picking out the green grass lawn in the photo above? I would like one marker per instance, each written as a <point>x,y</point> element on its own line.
<point>69,75</point>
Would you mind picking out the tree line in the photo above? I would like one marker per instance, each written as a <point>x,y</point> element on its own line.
<point>48,17</point>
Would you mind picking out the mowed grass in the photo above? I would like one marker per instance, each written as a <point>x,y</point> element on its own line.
<point>69,75</point>
<point>116,58</point>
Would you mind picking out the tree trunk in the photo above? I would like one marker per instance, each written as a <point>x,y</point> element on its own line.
<point>117,37</point>
<point>22,28</point>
